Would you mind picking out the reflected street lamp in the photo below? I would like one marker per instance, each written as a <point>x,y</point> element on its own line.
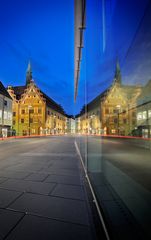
<point>29,108</point>
<point>118,119</point>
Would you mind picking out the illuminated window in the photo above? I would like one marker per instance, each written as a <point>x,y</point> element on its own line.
<point>149,113</point>
<point>5,115</point>
<point>139,116</point>
<point>9,116</point>
<point>0,113</point>
<point>33,130</point>
<point>145,133</point>
<point>144,115</point>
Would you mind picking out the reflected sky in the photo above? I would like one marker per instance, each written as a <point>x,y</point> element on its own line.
<point>43,31</point>
<point>128,38</point>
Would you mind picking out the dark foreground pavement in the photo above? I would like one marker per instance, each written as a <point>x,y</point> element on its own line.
<point>42,191</point>
<point>120,173</point>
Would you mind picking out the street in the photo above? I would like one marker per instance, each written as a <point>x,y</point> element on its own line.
<point>42,190</point>
<point>41,183</point>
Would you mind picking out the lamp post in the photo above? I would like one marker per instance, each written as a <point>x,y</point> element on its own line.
<point>118,119</point>
<point>29,108</point>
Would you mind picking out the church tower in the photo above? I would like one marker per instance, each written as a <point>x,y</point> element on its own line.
<point>117,76</point>
<point>28,74</point>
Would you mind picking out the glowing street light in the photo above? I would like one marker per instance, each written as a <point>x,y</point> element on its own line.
<point>118,114</point>
<point>29,108</point>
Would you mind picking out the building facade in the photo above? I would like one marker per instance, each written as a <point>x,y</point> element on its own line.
<point>34,113</point>
<point>89,121</point>
<point>5,112</point>
<point>113,112</point>
<point>143,112</point>
<point>70,124</point>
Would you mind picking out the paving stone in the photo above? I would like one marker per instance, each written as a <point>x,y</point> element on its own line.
<point>69,191</point>
<point>28,186</point>
<point>38,177</point>
<point>13,174</point>
<point>27,168</point>
<point>73,180</point>
<point>74,211</point>
<point>38,228</point>
<point>66,172</point>
<point>69,166</point>
<point>6,197</point>
<point>8,219</point>
<point>2,179</point>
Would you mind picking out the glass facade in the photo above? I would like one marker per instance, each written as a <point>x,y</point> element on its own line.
<point>113,125</point>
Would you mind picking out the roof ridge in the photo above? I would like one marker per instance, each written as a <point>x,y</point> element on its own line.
<point>4,91</point>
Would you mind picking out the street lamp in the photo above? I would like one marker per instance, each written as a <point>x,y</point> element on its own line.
<point>118,119</point>
<point>29,108</point>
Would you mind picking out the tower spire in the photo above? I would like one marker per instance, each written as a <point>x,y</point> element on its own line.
<point>29,73</point>
<point>117,76</point>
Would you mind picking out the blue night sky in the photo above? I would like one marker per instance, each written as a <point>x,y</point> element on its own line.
<point>43,31</point>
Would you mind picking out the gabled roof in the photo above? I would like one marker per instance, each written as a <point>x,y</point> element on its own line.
<point>94,103</point>
<point>19,90</point>
<point>129,90</point>
<point>3,91</point>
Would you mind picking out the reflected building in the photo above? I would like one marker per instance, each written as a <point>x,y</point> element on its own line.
<point>143,110</point>
<point>33,111</point>
<point>70,124</point>
<point>113,112</point>
<point>89,118</point>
